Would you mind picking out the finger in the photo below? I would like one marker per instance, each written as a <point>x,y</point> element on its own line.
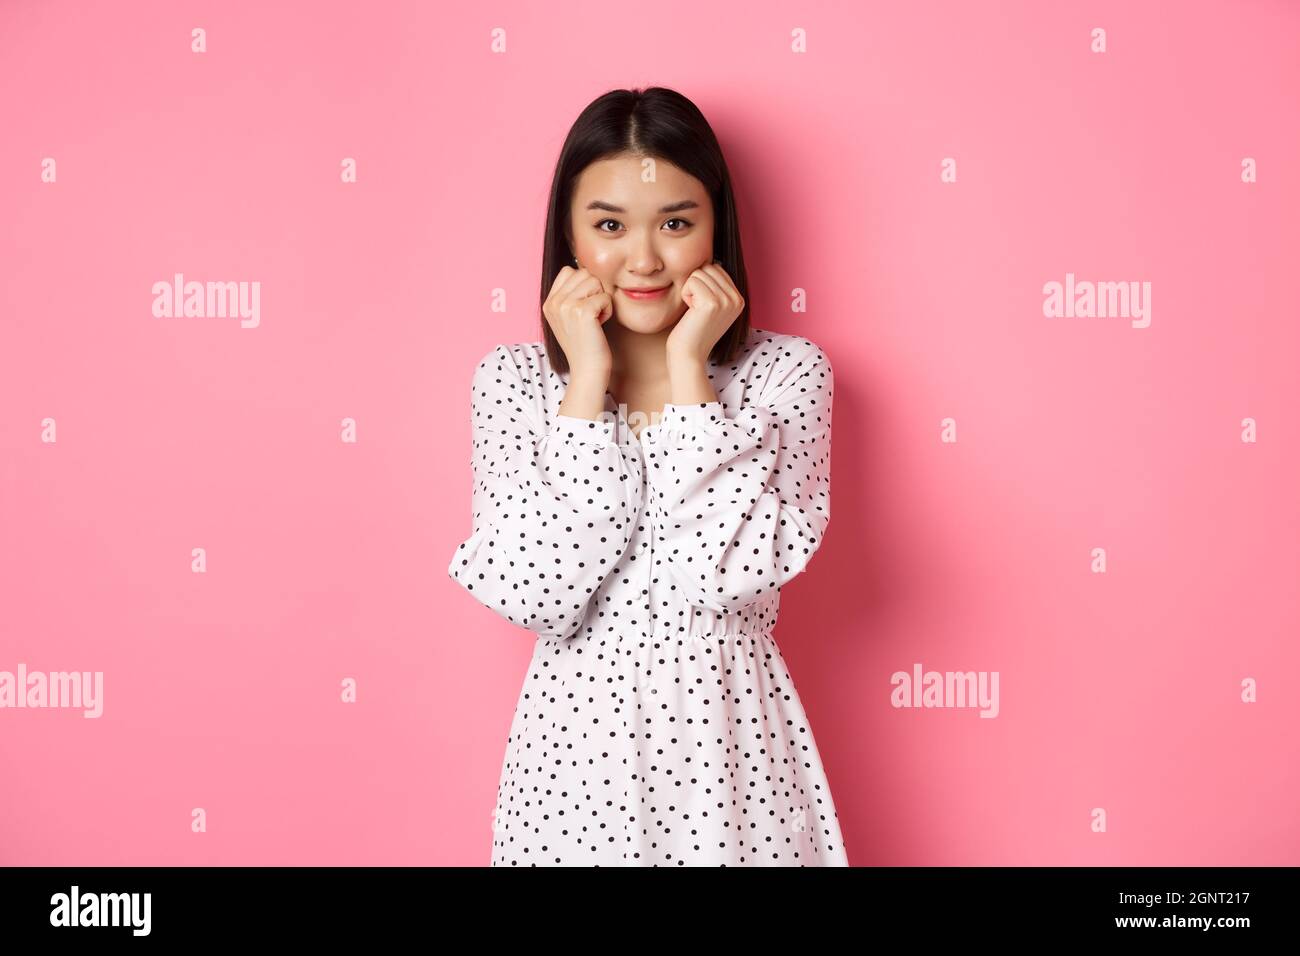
<point>579,284</point>
<point>561,278</point>
<point>715,270</point>
<point>693,287</point>
<point>710,285</point>
<point>723,280</point>
<point>586,287</point>
<point>567,280</point>
<point>600,307</point>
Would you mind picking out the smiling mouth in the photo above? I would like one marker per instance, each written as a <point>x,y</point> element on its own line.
<point>645,294</point>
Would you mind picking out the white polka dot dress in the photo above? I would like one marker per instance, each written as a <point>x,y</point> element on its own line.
<point>658,724</point>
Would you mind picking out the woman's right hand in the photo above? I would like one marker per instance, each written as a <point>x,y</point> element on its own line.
<point>577,309</point>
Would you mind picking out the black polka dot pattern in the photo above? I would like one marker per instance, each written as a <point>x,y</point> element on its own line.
<point>658,724</point>
<point>553,509</point>
<point>741,503</point>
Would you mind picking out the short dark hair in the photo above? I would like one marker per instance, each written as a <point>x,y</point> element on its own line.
<point>659,123</point>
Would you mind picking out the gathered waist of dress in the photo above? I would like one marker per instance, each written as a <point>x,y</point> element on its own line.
<point>728,628</point>
<point>694,629</point>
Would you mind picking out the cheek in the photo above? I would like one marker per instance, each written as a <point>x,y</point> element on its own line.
<point>597,259</point>
<point>686,257</point>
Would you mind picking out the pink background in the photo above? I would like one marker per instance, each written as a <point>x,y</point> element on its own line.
<point>328,560</point>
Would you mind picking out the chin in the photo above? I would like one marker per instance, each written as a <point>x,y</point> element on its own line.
<point>648,321</point>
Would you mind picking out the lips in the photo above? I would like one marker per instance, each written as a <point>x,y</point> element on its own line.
<point>644,293</point>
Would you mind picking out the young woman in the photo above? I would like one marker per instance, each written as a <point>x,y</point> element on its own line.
<point>645,479</point>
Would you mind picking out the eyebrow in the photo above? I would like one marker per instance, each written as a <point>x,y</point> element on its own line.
<point>671,207</point>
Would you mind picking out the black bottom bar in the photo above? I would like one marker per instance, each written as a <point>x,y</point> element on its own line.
<point>337,905</point>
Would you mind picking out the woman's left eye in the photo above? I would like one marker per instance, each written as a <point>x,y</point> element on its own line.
<point>686,223</point>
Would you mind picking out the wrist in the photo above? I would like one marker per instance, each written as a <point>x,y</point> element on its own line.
<point>687,354</point>
<point>683,364</point>
<point>584,395</point>
<point>689,382</point>
<point>588,380</point>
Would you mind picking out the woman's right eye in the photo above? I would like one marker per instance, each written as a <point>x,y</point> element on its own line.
<point>603,221</point>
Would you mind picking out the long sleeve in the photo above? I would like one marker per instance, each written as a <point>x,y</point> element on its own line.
<point>743,502</point>
<point>553,507</point>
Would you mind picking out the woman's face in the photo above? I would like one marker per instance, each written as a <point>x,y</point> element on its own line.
<point>633,234</point>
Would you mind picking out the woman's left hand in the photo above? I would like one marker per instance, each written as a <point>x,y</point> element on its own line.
<point>713,304</point>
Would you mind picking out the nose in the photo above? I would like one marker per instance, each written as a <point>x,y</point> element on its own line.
<point>643,259</point>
